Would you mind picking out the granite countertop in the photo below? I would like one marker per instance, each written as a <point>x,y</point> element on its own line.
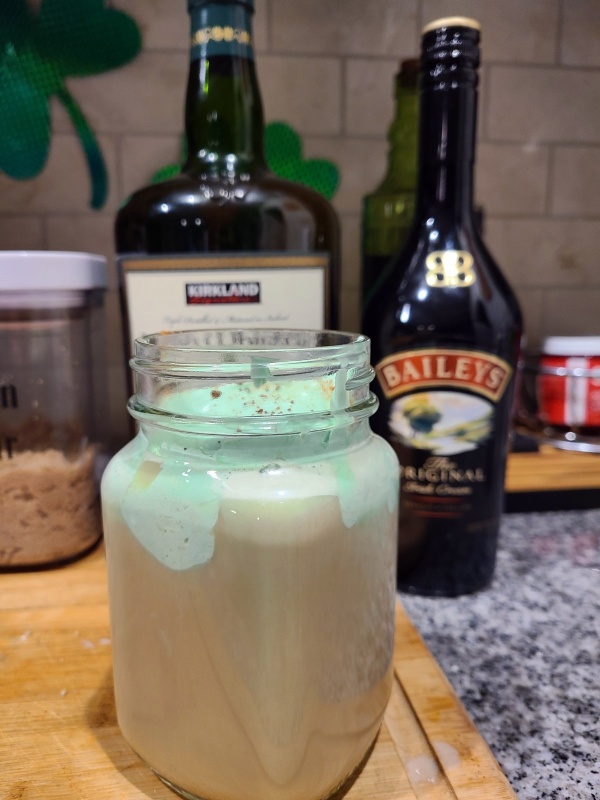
<point>524,655</point>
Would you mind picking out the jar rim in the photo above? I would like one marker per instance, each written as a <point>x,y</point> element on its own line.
<point>264,379</point>
<point>243,345</point>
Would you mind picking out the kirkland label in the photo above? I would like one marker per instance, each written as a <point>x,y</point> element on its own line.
<point>232,293</point>
<point>166,293</point>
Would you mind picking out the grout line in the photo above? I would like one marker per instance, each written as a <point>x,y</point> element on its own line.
<point>177,135</point>
<point>45,231</point>
<point>559,25</point>
<point>543,306</point>
<point>572,217</point>
<point>269,24</point>
<point>119,169</point>
<point>550,182</point>
<point>344,97</point>
<point>484,103</point>
<point>420,21</point>
<point>514,64</point>
<point>532,65</point>
<point>327,55</point>
<point>544,143</point>
<point>543,217</point>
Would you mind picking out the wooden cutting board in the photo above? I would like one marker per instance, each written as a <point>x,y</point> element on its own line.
<point>551,470</point>
<point>59,737</point>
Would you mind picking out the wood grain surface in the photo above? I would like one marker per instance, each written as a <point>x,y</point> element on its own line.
<point>551,470</point>
<point>59,738</point>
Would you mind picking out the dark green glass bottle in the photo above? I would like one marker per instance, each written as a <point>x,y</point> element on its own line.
<point>226,243</point>
<point>389,210</point>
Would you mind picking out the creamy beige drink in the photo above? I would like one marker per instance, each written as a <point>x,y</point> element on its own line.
<point>251,560</point>
<point>269,665</point>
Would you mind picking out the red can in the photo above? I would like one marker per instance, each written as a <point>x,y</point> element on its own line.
<point>569,382</point>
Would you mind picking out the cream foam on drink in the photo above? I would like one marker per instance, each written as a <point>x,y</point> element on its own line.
<point>260,396</point>
<point>252,590</point>
<point>187,493</point>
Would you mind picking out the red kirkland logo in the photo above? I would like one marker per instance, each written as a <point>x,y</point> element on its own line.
<point>466,369</point>
<point>198,294</point>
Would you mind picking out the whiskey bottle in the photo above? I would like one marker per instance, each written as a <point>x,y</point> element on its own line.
<point>226,244</point>
<point>446,329</point>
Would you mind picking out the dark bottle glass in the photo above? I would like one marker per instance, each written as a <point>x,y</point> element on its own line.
<point>446,329</point>
<point>226,243</point>
<point>388,211</point>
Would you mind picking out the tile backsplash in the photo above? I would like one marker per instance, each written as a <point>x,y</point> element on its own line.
<point>327,67</point>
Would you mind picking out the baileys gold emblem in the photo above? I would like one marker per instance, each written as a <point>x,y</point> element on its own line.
<point>450,268</point>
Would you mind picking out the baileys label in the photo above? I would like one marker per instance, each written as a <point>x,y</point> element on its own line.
<point>478,372</point>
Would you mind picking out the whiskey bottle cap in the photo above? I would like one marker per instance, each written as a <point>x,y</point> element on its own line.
<point>195,3</point>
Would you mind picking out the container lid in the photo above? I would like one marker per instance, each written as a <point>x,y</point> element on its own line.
<point>572,346</point>
<point>32,270</point>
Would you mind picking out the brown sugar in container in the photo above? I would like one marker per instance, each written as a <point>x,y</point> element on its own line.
<point>51,388</point>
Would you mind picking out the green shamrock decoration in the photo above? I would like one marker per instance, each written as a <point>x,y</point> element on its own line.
<point>67,38</point>
<point>283,152</point>
<point>171,170</point>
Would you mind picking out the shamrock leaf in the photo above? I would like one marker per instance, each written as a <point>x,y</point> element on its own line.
<point>283,150</point>
<point>68,38</point>
<point>24,127</point>
<point>171,170</point>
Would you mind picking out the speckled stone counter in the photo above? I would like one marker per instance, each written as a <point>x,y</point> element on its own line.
<point>524,655</point>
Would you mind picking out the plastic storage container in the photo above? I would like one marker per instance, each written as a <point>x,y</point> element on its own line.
<point>251,546</point>
<point>51,391</point>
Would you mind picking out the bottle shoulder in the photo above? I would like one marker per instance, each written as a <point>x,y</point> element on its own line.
<point>443,289</point>
<point>391,186</point>
<point>446,256</point>
<point>198,195</point>
<point>202,214</point>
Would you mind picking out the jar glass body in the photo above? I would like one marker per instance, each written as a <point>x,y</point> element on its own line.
<point>52,385</point>
<point>252,575</point>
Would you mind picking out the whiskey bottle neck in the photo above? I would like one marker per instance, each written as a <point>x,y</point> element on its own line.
<point>223,115</point>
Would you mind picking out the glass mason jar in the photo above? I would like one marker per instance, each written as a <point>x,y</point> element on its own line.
<point>251,546</point>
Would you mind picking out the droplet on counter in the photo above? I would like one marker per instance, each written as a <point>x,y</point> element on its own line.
<point>448,755</point>
<point>422,769</point>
